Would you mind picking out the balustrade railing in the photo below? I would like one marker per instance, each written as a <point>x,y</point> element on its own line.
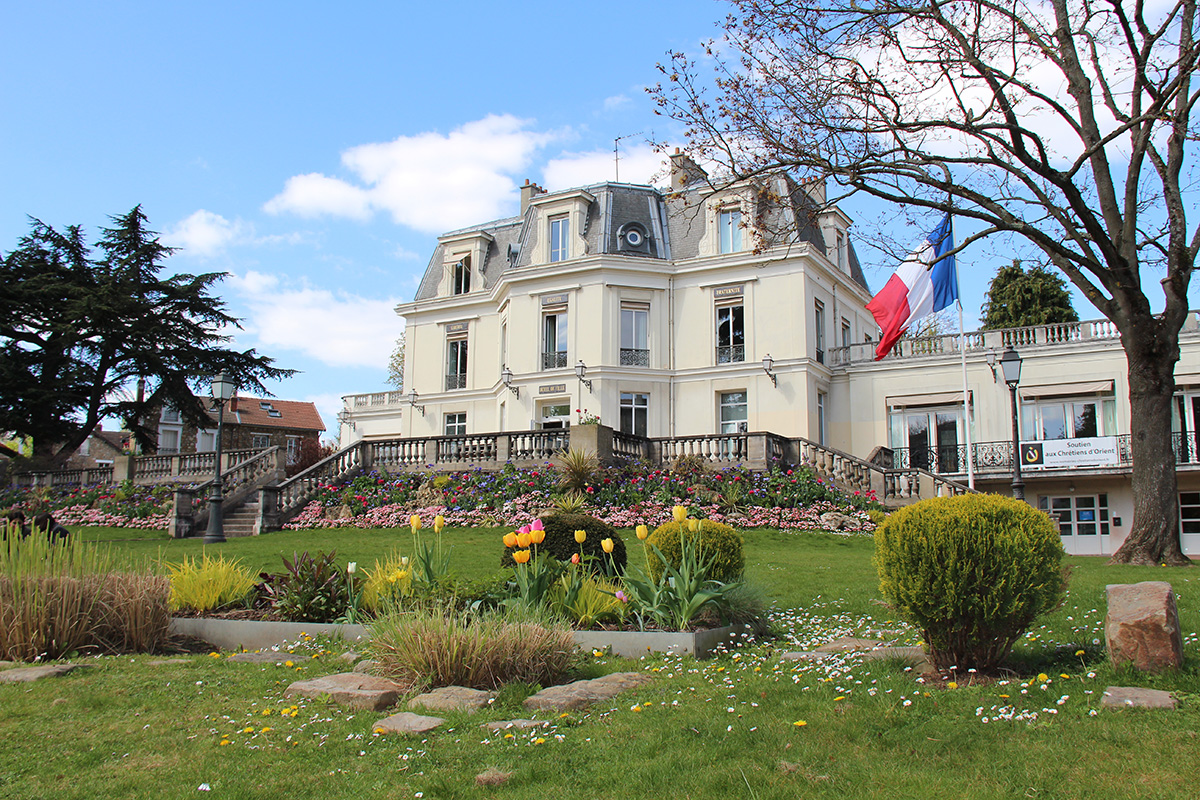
<point>998,456</point>
<point>538,445</point>
<point>628,446</point>
<point>718,448</point>
<point>634,358</point>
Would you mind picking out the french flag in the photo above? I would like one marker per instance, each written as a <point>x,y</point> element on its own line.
<point>926,282</point>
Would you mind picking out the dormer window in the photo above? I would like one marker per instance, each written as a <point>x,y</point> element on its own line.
<point>729,224</point>
<point>560,233</point>
<point>461,282</point>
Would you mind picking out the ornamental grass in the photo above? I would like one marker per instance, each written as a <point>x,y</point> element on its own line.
<point>60,598</point>
<point>434,647</point>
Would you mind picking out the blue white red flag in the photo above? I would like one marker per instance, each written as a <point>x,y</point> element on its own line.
<point>926,282</point>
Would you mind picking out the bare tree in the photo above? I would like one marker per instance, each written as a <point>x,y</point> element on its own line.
<point>1067,124</point>
<point>396,363</point>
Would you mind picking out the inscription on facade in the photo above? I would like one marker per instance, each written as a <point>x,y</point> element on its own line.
<point>725,292</point>
<point>552,388</point>
<point>457,327</point>
<point>554,299</point>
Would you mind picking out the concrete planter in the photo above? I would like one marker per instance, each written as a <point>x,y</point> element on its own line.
<point>635,644</point>
<point>230,634</point>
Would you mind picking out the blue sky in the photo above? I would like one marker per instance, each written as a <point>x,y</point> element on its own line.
<point>315,151</point>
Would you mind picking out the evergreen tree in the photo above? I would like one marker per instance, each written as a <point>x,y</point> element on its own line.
<point>1017,298</point>
<point>78,332</point>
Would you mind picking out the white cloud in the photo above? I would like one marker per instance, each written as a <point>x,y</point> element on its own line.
<point>432,182</point>
<point>339,329</point>
<point>639,164</point>
<point>329,405</point>
<point>616,101</point>
<point>204,234</point>
<point>315,195</point>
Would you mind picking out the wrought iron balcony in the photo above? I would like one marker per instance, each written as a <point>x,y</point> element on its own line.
<point>456,381</point>
<point>554,360</point>
<point>731,354</point>
<point>634,358</point>
<point>998,456</point>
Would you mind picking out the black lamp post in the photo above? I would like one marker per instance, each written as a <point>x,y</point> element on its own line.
<point>222,390</point>
<point>1010,364</point>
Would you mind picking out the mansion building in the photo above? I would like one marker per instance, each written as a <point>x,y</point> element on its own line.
<point>702,311</point>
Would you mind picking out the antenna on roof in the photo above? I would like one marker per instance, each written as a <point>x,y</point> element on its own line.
<point>617,155</point>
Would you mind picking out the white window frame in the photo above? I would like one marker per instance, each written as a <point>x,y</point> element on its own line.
<point>456,358</point>
<point>729,229</point>
<point>454,423</point>
<point>635,405</point>
<point>635,334</point>
<point>729,420</point>
<point>559,237</point>
<point>819,330</point>
<point>731,346</point>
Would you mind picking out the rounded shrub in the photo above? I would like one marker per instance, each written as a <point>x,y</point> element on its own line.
<point>715,537</point>
<point>560,542</point>
<point>971,572</point>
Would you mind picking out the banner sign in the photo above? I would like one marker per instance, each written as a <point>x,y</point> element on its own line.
<point>1066,453</point>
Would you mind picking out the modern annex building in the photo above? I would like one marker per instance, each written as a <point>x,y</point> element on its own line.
<point>689,311</point>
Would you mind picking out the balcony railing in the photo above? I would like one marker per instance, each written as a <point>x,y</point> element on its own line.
<point>634,358</point>
<point>998,456</point>
<point>731,354</point>
<point>554,360</point>
<point>456,381</point>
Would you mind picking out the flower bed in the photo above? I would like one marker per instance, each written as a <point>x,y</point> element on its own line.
<point>524,511</point>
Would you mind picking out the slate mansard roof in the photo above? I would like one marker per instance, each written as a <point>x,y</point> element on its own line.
<point>674,224</point>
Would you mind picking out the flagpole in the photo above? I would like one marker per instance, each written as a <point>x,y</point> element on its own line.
<point>962,350</point>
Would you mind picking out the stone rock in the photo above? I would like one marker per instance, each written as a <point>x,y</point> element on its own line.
<point>264,657</point>
<point>30,674</point>
<point>581,694</point>
<point>367,666</point>
<point>349,657</point>
<point>352,689</point>
<point>453,698</point>
<point>835,521</point>
<point>1142,626</point>
<point>1132,697</point>
<point>406,722</point>
<point>518,724</point>
<point>343,512</point>
<point>847,644</point>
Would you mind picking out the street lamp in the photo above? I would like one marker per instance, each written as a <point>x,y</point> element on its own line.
<point>1010,365</point>
<point>222,390</point>
<point>581,372</point>
<point>767,363</point>
<point>506,375</point>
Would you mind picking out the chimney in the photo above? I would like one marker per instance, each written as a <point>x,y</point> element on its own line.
<point>684,171</point>
<point>528,192</point>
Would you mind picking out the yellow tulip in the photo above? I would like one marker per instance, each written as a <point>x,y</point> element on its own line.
<point>439,522</point>
<point>580,537</point>
<point>693,525</point>
<point>679,513</point>
<point>523,540</point>
<point>521,556</point>
<point>414,522</point>
<point>537,535</point>
<point>607,545</point>
<point>642,532</point>
<point>510,539</point>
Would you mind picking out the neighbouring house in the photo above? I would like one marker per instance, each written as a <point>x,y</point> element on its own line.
<point>100,449</point>
<point>251,423</point>
<point>707,312</point>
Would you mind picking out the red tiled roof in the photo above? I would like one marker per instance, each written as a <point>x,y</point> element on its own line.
<point>243,410</point>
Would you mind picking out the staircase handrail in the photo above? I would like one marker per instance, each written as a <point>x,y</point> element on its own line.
<point>298,490</point>
<point>902,483</point>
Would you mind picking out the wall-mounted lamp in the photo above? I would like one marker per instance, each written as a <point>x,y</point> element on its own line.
<point>580,372</point>
<point>506,375</point>
<point>769,362</point>
<point>991,362</point>
<point>412,401</point>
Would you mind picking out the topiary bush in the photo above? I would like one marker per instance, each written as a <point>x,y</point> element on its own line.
<point>714,537</point>
<point>972,572</point>
<point>560,542</point>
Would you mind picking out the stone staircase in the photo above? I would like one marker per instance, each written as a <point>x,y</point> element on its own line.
<point>241,521</point>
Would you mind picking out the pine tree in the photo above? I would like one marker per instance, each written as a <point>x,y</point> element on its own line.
<point>1018,298</point>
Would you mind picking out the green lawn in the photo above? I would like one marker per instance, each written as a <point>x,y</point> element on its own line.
<point>715,729</point>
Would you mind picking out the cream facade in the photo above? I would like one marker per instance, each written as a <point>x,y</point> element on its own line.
<point>700,312</point>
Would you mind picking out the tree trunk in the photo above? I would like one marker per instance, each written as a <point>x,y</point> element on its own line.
<point>1154,538</point>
